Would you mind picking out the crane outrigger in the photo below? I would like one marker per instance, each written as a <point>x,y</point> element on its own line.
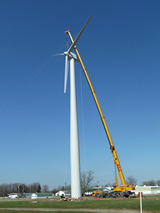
<point>124,186</point>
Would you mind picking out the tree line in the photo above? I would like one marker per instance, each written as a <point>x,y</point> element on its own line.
<point>133,181</point>
<point>22,188</point>
<point>151,183</point>
<point>86,179</point>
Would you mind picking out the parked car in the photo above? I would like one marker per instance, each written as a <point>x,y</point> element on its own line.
<point>13,195</point>
<point>34,196</point>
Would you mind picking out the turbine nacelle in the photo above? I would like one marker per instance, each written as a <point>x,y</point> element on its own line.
<point>71,55</point>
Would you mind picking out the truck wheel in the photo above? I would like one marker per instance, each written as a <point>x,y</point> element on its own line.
<point>117,195</point>
<point>106,196</point>
<point>96,195</point>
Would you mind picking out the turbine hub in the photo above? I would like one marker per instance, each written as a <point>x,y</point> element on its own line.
<point>71,55</point>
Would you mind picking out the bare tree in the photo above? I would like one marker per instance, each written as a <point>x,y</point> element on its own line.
<point>36,187</point>
<point>86,178</point>
<point>131,180</point>
<point>67,187</point>
<point>108,185</point>
<point>4,190</point>
<point>158,182</point>
<point>45,188</point>
<point>149,183</point>
<point>60,188</point>
<point>54,191</point>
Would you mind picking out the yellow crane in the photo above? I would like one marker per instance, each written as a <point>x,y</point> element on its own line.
<point>124,186</point>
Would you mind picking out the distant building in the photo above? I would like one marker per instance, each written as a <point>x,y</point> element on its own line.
<point>27,195</point>
<point>147,189</point>
<point>14,195</point>
<point>60,193</point>
<point>41,195</point>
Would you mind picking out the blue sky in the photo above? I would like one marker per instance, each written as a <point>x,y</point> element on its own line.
<point>120,48</point>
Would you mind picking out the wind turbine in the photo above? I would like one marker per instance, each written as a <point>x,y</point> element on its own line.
<point>74,138</point>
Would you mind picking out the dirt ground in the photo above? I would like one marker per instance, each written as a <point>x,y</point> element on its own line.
<point>80,210</point>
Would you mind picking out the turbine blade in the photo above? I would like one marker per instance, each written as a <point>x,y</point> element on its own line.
<point>75,41</point>
<point>66,74</point>
<point>58,54</point>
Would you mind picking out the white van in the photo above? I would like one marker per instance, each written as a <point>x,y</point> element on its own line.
<point>13,195</point>
<point>34,196</point>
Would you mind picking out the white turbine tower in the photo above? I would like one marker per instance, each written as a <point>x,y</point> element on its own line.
<point>74,138</point>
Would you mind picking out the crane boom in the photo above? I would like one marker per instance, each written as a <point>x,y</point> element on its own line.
<point>112,147</point>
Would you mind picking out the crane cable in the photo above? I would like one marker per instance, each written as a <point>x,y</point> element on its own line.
<point>66,44</point>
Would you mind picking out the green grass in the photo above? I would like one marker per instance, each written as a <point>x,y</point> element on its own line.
<point>148,203</point>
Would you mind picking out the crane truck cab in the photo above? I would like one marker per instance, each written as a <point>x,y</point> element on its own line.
<point>97,193</point>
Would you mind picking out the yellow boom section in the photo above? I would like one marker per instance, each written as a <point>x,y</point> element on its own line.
<point>116,161</point>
